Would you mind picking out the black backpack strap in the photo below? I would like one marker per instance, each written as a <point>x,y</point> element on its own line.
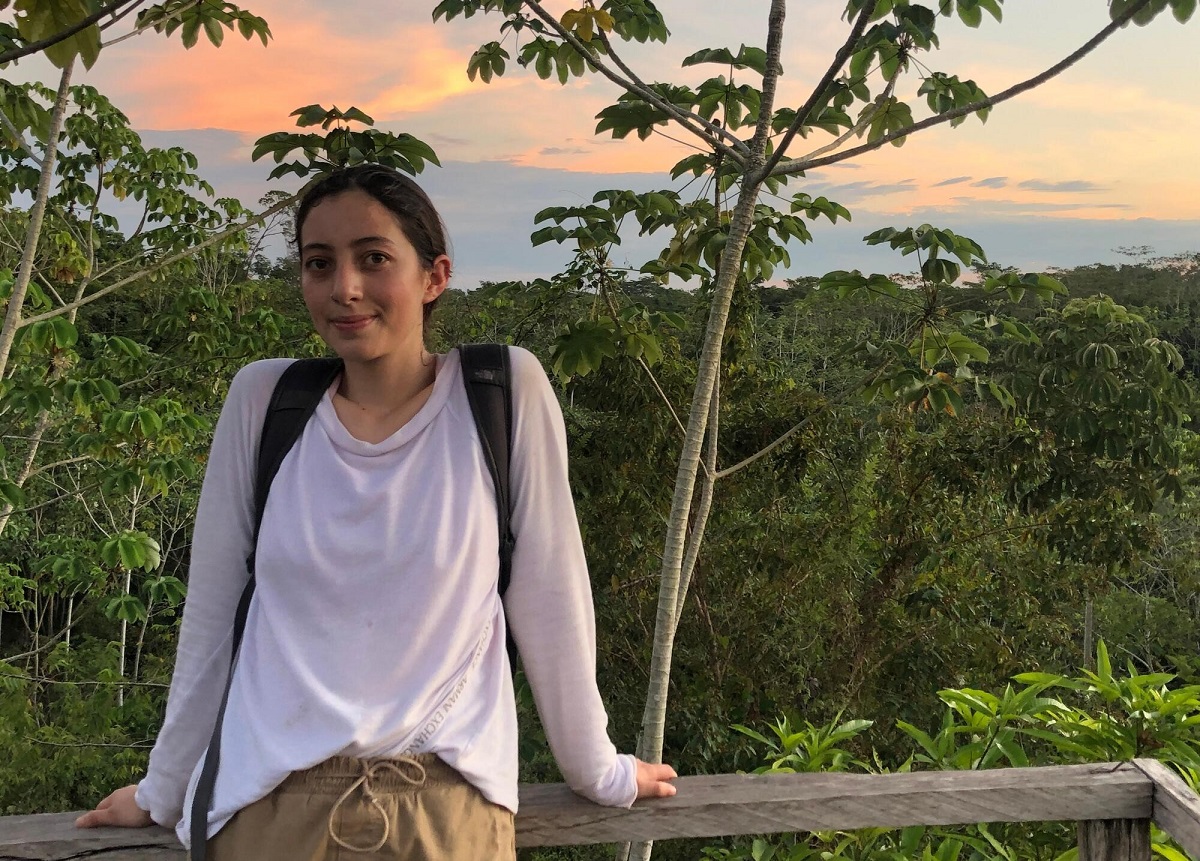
<point>296,396</point>
<point>488,381</point>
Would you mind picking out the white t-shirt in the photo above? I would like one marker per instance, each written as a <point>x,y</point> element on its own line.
<point>376,628</point>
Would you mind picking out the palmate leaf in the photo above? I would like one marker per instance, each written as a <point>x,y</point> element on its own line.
<point>583,347</point>
<point>341,147</point>
<point>486,62</point>
<point>970,12</point>
<point>889,117</point>
<point>214,17</point>
<point>627,116</point>
<point>126,608</point>
<point>37,20</point>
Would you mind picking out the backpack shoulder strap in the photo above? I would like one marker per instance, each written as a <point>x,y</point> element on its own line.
<point>292,403</point>
<point>488,380</point>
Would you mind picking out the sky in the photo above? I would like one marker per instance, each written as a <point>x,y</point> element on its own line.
<point>1102,157</point>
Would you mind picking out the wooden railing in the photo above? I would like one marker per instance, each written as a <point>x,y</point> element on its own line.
<point>1114,805</point>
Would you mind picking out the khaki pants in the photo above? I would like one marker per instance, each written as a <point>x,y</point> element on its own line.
<point>412,808</point>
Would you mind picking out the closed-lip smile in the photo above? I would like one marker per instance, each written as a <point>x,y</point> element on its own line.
<point>352,321</point>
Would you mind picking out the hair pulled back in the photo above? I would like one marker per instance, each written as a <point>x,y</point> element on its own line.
<point>414,211</point>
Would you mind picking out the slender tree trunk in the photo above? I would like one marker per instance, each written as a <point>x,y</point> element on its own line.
<point>1089,633</point>
<point>124,638</point>
<point>137,652</point>
<point>12,319</point>
<point>670,594</point>
<point>43,422</point>
<point>43,419</point>
<point>692,556</point>
<point>128,588</point>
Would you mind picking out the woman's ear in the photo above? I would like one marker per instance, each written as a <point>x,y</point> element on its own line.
<point>439,278</point>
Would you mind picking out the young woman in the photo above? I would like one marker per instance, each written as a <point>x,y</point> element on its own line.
<point>372,708</point>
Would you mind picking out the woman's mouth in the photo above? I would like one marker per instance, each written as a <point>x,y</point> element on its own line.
<point>351,324</point>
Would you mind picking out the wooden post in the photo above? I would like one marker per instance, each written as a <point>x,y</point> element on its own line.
<point>1114,840</point>
<point>1176,807</point>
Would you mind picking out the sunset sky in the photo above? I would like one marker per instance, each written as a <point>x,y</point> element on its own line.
<point>1106,155</point>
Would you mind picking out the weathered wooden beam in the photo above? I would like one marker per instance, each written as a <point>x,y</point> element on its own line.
<point>53,836</point>
<point>714,806</point>
<point>1114,840</point>
<point>1176,807</point>
<point>725,805</point>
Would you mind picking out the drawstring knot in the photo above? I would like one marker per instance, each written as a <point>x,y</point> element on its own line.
<point>404,767</point>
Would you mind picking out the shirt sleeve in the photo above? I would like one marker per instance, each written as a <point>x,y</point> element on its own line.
<point>549,600</point>
<point>216,577</point>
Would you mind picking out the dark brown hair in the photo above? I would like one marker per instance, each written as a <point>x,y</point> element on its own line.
<point>414,211</point>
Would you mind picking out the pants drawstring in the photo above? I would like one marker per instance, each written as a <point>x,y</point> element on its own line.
<point>371,769</point>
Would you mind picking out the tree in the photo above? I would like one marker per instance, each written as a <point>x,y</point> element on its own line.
<point>730,245</point>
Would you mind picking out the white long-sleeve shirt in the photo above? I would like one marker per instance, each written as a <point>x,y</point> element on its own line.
<point>376,628</point>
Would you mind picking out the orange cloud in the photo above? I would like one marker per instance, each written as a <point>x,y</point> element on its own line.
<point>393,69</point>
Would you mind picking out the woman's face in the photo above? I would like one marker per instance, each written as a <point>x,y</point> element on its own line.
<point>364,284</point>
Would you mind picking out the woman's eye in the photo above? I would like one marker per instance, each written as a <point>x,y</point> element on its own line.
<point>376,258</point>
<point>316,264</point>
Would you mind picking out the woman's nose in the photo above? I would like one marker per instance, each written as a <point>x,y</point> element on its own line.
<point>346,285</point>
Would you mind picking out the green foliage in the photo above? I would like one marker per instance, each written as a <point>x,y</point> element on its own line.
<point>214,18</point>
<point>1098,717</point>
<point>1109,389</point>
<point>40,21</point>
<point>340,146</point>
<point>1181,9</point>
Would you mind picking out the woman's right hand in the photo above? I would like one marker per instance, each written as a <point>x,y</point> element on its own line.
<point>119,809</point>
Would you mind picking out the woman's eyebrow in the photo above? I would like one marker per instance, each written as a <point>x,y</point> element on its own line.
<point>363,240</point>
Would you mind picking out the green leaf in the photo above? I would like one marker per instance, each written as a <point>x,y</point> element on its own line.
<point>214,30</point>
<point>126,608</point>
<point>64,331</point>
<point>583,348</point>
<point>487,61</point>
<point>11,493</point>
<point>723,56</point>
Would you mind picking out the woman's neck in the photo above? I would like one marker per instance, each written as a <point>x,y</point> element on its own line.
<point>374,399</point>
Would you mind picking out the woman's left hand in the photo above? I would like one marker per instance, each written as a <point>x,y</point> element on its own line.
<point>654,781</point>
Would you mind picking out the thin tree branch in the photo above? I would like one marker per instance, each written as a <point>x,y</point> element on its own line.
<point>612,310</point>
<point>864,121</point>
<point>763,452</point>
<point>63,35</point>
<point>148,743</point>
<point>662,394</point>
<point>179,13</point>
<point>165,262</point>
<point>839,60</point>
<point>49,466</point>
<point>45,681</point>
<point>766,109</point>
<point>19,138</point>
<point>800,166</point>
<point>734,141</point>
<point>709,132</point>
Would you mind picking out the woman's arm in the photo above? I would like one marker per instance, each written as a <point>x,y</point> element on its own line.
<point>549,603</point>
<point>216,576</point>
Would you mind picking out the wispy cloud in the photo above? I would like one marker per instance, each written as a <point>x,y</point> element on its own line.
<point>952,181</point>
<point>991,182</point>
<point>1030,207</point>
<point>1071,186</point>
